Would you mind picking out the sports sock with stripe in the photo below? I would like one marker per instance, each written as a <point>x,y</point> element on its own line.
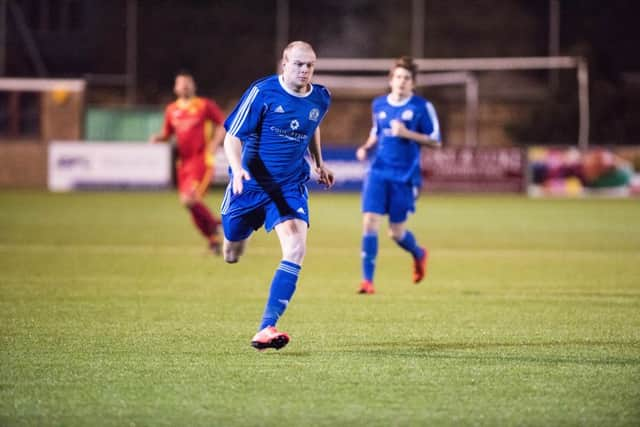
<point>369,254</point>
<point>283,286</point>
<point>408,243</point>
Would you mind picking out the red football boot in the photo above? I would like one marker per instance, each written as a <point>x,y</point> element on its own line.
<point>269,337</point>
<point>420,267</point>
<point>366,287</point>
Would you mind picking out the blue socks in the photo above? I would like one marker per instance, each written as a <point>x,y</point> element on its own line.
<point>283,286</point>
<point>409,244</point>
<point>369,254</point>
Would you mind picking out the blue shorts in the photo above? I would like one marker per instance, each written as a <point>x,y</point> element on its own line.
<point>383,196</point>
<point>243,213</point>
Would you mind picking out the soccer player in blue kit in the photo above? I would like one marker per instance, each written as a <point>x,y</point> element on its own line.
<point>268,134</point>
<point>402,123</point>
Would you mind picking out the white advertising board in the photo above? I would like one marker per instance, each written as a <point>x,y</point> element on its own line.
<point>78,165</point>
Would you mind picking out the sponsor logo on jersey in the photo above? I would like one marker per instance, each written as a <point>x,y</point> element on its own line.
<point>382,115</point>
<point>279,109</point>
<point>314,114</point>
<point>294,124</point>
<point>289,134</point>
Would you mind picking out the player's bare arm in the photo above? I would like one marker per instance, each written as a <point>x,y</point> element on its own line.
<point>361,152</point>
<point>214,144</point>
<point>325,176</point>
<point>158,137</point>
<point>218,138</point>
<point>233,151</point>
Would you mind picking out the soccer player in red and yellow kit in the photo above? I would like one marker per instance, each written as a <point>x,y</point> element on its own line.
<point>192,120</point>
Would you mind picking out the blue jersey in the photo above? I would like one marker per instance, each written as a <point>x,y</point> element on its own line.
<point>398,159</point>
<point>275,126</point>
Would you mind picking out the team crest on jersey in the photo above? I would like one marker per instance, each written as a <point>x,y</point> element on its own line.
<point>382,115</point>
<point>407,115</point>
<point>294,124</point>
<point>314,114</point>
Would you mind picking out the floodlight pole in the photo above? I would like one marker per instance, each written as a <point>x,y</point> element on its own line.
<point>282,30</point>
<point>472,111</point>
<point>583,103</point>
<point>417,28</point>
<point>27,37</point>
<point>554,40</point>
<point>3,36</point>
<point>132,49</point>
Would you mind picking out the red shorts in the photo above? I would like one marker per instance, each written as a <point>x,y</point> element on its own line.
<point>194,176</point>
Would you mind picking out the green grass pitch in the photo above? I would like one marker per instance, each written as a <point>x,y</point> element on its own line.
<point>113,314</point>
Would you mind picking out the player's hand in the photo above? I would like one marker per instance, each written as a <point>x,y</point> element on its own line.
<point>361,154</point>
<point>325,176</point>
<point>209,160</point>
<point>397,127</point>
<point>238,181</point>
<point>156,138</point>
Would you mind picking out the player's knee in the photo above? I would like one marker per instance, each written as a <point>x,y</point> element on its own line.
<point>230,258</point>
<point>295,252</point>
<point>231,251</point>
<point>187,200</point>
<point>396,233</point>
<point>396,237</point>
<point>370,223</point>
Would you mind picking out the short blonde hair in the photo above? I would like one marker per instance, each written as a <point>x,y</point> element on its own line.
<point>292,45</point>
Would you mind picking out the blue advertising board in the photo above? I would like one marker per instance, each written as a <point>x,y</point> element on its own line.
<point>348,171</point>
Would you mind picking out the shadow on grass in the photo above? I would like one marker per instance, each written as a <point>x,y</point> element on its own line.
<point>414,349</point>
<point>287,353</point>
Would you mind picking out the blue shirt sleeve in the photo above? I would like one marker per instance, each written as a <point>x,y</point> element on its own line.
<point>245,119</point>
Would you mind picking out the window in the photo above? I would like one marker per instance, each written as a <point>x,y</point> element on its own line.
<point>19,115</point>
